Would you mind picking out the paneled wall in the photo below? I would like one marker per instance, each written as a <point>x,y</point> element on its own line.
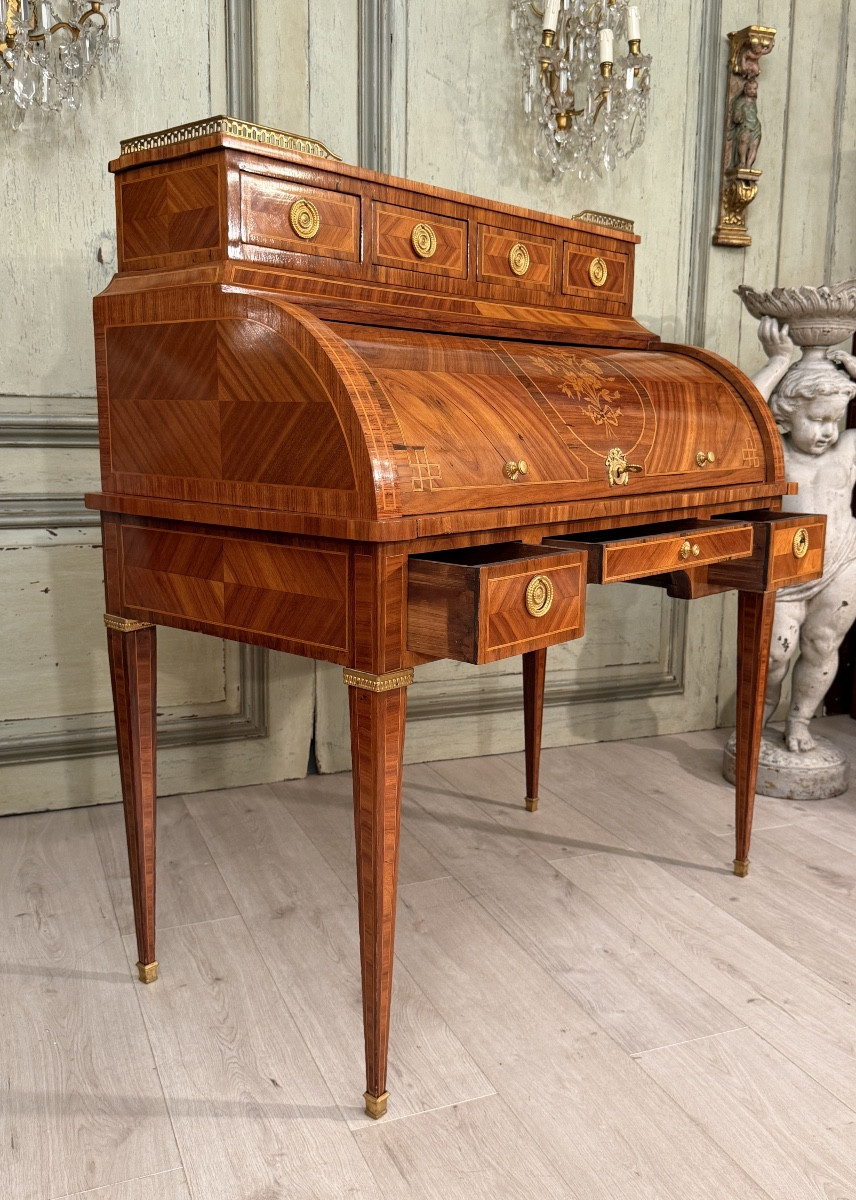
<point>222,708</point>
<point>429,89</point>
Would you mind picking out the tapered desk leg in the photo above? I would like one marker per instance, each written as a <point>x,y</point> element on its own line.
<point>754,630</point>
<point>378,705</point>
<point>534,670</point>
<point>132,649</point>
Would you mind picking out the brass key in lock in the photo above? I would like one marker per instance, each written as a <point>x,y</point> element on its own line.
<point>618,468</point>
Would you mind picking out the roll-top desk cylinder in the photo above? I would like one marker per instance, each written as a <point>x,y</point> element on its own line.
<point>377,423</point>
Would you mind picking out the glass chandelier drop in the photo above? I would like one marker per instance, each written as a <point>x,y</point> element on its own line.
<point>588,97</point>
<point>47,54</point>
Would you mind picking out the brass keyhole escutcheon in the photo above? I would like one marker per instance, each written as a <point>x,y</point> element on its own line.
<point>539,595</point>
<point>518,258</point>
<point>800,543</point>
<point>618,468</point>
<point>598,272</point>
<point>423,239</point>
<point>304,218</point>
<point>512,469</point>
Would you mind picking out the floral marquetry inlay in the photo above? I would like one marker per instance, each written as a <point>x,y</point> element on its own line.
<point>592,396</point>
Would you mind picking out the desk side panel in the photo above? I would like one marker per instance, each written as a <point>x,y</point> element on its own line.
<point>236,585</point>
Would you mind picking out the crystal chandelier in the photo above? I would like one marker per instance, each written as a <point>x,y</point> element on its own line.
<point>46,56</point>
<point>591,107</point>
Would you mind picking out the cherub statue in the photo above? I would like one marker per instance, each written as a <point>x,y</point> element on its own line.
<point>808,401</point>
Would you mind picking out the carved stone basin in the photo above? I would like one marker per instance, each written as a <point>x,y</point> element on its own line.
<point>815,316</point>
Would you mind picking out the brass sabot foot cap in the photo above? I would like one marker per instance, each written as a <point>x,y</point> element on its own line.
<point>376,1105</point>
<point>532,803</point>
<point>148,972</point>
<point>741,866</point>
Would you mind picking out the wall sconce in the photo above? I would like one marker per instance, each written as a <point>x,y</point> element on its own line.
<point>46,57</point>
<point>590,107</point>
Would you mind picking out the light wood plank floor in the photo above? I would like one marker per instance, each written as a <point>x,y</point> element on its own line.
<point>588,1005</point>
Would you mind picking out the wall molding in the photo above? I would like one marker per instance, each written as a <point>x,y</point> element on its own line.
<point>55,432</point>
<point>27,741</point>
<point>707,166</point>
<point>435,701</point>
<point>375,84</point>
<point>241,89</point>
<point>46,512</point>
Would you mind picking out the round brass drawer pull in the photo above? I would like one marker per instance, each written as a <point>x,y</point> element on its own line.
<point>800,543</point>
<point>423,239</point>
<point>304,219</point>
<point>512,469</point>
<point>696,550</point>
<point>598,272</point>
<point>688,549</point>
<point>539,595</point>
<point>518,258</point>
<point>703,458</point>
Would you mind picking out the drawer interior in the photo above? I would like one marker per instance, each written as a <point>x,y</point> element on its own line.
<point>479,556</point>
<point>642,533</point>
<point>482,603</point>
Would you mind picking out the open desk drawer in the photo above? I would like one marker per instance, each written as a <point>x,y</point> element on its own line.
<point>787,549</point>
<point>481,603</point>
<point>615,555</point>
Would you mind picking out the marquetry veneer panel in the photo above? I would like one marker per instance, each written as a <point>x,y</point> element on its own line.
<point>266,206</point>
<point>470,604</point>
<point>239,587</point>
<point>224,401</point>
<point>495,249</point>
<point>584,265</point>
<point>166,215</point>
<point>393,247</point>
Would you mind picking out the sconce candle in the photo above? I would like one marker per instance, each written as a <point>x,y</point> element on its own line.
<point>633,24</point>
<point>604,45</point>
<point>551,14</point>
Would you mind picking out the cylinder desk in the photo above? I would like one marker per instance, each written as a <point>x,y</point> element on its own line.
<point>375,423</point>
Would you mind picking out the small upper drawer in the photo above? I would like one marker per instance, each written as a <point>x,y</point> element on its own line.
<point>482,603</point>
<point>512,259</point>
<point>596,275</point>
<point>621,554</point>
<point>289,216</point>
<point>417,241</point>
<point>788,549</point>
